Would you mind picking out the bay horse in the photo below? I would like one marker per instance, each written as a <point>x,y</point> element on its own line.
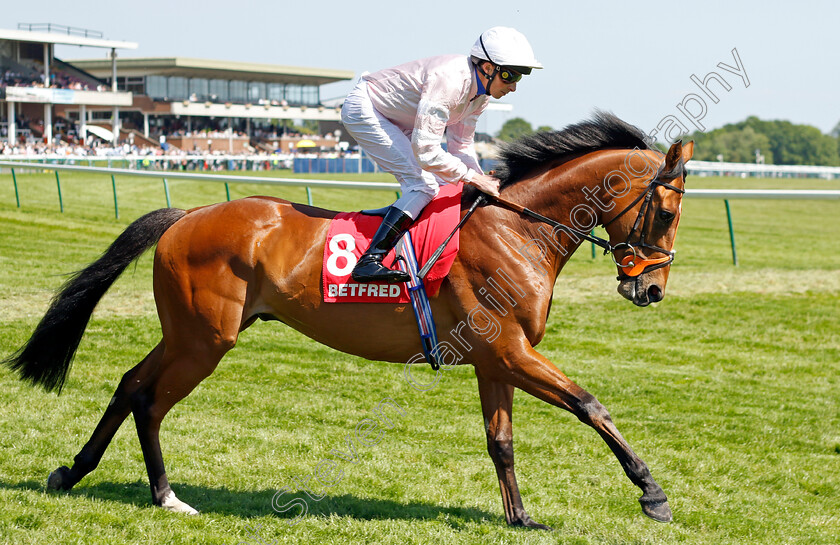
<point>218,268</point>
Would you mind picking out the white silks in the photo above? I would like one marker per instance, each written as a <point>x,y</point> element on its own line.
<point>427,97</point>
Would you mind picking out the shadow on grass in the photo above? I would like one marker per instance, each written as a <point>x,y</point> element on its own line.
<point>257,503</point>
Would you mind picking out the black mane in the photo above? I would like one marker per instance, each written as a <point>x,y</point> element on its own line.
<point>604,130</point>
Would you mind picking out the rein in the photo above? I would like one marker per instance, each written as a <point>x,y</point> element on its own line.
<point>632,264</point>
<point>556,224</point>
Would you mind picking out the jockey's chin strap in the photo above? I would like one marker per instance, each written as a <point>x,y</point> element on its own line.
<point>496,68</point>
<point>632,264</point>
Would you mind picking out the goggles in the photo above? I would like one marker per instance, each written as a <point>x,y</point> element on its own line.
<point>509,76</point>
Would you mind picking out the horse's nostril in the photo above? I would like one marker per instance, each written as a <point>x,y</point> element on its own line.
<point>654,293</point>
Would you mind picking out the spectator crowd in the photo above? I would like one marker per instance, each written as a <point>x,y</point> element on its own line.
<point>30,73</point>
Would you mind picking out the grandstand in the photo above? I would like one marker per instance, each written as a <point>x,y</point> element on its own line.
<point>34,82</point>
<point>210,105</point>
<point>171,102</point>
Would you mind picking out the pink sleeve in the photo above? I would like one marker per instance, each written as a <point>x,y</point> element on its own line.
<point>429,126</point>
<point>460,141</point>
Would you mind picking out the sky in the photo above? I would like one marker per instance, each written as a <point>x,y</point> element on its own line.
<point>635,59</point>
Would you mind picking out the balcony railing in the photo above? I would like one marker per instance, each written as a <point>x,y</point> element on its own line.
<point>61,29</point>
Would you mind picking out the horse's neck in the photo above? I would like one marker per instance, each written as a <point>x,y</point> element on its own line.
<point>570,194</point>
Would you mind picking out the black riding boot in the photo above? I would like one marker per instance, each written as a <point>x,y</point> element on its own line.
<point>370,268</point>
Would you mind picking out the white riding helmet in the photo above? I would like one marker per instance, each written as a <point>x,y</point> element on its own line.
<point>505,46</point>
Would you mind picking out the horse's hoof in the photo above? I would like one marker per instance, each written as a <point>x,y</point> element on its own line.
<point>57,480</point>
<point>528,522</point>
<point>172,503</point>
<point>658,510</point>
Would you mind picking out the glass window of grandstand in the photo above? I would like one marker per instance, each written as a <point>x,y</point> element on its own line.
<point>199,89</point>
<point>256,92</point>
<point>293,94</point>
<point>275,92</point>
<point>132,85</point>
<point>178,88</point>
<point>306,95</point>
<point>238,91</point>
<point>156,87</point>
<point>219,90</point>
<point>310,95</point>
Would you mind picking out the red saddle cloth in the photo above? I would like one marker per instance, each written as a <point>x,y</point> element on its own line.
<point>350,234</point>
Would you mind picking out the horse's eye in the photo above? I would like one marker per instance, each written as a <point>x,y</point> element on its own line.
<point>665,216</point>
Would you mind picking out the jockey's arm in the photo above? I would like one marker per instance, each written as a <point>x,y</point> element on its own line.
<point>461,143</point>
<point>426,140</point>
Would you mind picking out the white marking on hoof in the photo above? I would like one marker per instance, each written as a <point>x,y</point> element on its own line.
<point>172,503</point>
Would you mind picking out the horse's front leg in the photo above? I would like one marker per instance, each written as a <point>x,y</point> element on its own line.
<point>524,368</point>
<point>496,405</point>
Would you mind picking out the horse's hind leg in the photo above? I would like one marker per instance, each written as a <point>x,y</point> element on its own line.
<point>118,409</point>
<point>180,372</point>
<point>496,406</point>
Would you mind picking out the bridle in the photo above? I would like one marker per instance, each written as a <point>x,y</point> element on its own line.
<point>633,264</point>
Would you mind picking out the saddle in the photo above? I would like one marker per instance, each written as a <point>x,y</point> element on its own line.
<point>349,236</point>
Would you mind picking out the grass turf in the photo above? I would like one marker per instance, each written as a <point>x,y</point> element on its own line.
<point>727,389</point>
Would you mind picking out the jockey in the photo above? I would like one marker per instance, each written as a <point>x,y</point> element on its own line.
<point>399,116</point>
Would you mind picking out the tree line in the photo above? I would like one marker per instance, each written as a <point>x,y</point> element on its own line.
<point>771,142</point>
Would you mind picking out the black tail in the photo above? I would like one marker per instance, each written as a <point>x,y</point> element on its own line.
<point>46,357</point>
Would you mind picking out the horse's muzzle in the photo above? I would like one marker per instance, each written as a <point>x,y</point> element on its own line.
<point>641,291</point>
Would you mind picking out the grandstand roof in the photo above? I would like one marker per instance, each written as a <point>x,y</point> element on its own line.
<point>206,68</point>
<point>63,39</point>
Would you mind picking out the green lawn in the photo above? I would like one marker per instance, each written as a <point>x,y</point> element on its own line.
<point>728,389</point>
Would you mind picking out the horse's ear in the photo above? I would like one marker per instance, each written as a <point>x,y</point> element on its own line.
<point>673,155</point>
<point>688,152</point>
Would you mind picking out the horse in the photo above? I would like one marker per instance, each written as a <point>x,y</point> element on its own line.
<point>219,268</point>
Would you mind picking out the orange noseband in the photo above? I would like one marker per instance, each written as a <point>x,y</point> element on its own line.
<point>632,265</point>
